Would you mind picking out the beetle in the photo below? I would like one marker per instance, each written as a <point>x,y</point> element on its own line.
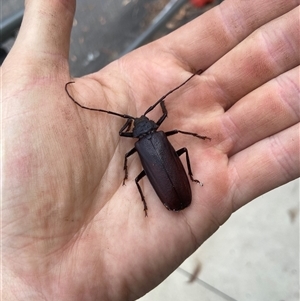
<point>161,163</point>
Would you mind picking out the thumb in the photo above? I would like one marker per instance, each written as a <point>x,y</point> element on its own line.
<point>44,33</point>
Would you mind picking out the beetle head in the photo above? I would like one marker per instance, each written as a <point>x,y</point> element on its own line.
<point>143,126</point>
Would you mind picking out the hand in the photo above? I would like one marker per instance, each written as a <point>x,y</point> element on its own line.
<point>71,230</point>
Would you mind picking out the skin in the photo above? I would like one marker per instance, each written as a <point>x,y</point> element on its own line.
<point>70,229</point>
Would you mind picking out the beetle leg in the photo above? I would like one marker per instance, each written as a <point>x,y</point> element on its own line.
<point>165,113</point>
<point>186,133</point>
<point>137,179</point>
<point>131,152</point>
<point>179,153</point>
<point>125,128</point>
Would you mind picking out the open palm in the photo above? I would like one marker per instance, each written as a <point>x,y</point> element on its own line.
<point>71,230</point>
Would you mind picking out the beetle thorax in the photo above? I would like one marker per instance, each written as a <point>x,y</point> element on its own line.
<point>143,126</point>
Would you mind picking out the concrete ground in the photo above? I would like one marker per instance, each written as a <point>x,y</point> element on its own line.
<point>255,255</point>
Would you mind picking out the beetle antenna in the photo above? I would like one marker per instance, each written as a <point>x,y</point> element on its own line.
<point>162,98</point>
<point>94,109</point>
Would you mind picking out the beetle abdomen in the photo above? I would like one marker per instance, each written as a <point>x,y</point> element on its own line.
<point>165,171</point>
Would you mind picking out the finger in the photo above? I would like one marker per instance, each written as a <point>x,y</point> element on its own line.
<point>264,55</point>
<point>202,42</point>
<point>263,112</point>
<point>46,28</point>
<point>265,165</point>
<point>199,44</point>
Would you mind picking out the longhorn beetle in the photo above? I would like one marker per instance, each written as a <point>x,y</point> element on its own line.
<point>159,159</point>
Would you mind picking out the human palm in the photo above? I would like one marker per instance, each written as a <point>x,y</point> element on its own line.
<point>69,225</point>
